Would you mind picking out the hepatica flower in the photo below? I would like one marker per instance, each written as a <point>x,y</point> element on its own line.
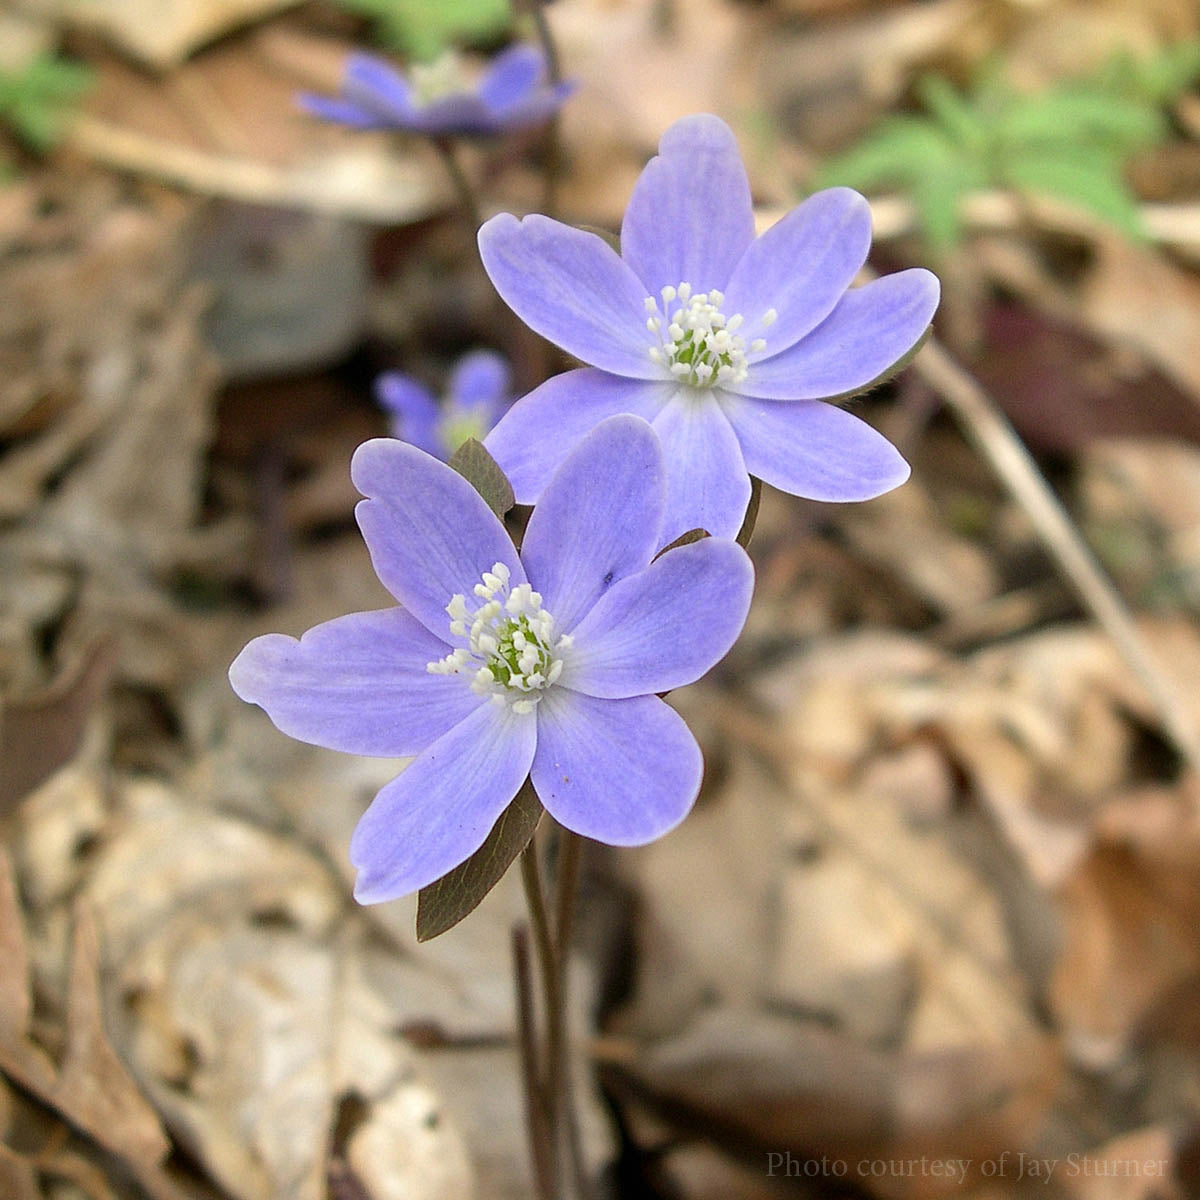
<point>727,343</point>
<point>477,394</point>
<point>438,100</point>
<point>494,667</point>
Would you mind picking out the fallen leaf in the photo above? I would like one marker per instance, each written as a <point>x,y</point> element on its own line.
<point>42,733</point>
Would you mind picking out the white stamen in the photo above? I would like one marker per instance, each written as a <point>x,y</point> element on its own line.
<point>700,346</point>
<point>511,654</point>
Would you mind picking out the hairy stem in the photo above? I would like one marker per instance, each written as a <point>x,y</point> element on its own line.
<point>541,1135</point>
<point>551,1059</point>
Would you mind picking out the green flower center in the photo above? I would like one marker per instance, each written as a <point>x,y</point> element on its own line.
<point>697,343</point>
<point>511,653</point>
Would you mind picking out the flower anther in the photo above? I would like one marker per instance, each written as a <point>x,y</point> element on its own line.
<point>512,653</point>
<point>697,343</point>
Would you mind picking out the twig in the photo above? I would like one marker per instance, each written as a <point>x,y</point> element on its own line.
<point>994,437</point>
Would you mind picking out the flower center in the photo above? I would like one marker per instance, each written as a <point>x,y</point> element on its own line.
<point>511,651</point>
<point>456,428</point>
<point>435,80</point>
<point>697,343</point>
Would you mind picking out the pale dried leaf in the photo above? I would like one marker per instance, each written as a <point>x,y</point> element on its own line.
<point>162,33</point>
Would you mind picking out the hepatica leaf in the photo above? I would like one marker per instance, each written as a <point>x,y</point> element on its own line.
<point>472,461</point>
<point>37,101</point>
<point>442,904</point>
<point>1070,141</point>
<point>424,28</point>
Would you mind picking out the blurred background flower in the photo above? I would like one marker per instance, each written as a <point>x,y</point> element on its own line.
<point>477,396</point>
<point>439,100</point>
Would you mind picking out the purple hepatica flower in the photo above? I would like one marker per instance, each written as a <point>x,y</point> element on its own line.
<point>486,680</point>
<point>437,100</point>
<point>477,396</point>
<point>725,342</point>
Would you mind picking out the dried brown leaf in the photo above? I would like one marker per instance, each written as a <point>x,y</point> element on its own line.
<point>42,733</point>
<point>92,1090</point>
<point>755,1081</point>
<point>14,979</point>
<point>18,1180</point>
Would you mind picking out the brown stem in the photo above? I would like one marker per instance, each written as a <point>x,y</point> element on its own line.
<point>552,144</point>
<point>536,1115</point>
<point>566,883</point>
<point>458,179</point>
<point>543,941</point>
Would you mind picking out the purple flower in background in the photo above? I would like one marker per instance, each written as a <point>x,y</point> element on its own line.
<point>495,667</point>
<point>438,101</point>
<point>727,343</point>
<point>476,397</point>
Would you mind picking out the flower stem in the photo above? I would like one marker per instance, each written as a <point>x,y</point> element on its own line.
<point>551,1059</point>
<point>458,178</point>
<point>551,939</point>
<point>536,1115</point>
<point>552,145</point>
<point>566,885</point>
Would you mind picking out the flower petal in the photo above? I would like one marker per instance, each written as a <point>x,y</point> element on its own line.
<point>538,432</point>
<point>665,626</point>
<point>690,217</point>
<point>813,449</point>
<point>481,381</point>
<point>870,331</point>
<point>375,85</point>
<point>620,771</point>
<point>333,108</point>
<point>429,531</point>
<point>536,107</point>
<point>598,519</point>
<point>460,113</point>
<point>413,408</point>
<point>572,288</point>
<point>357,683</point>
<point>511,76</point>
<point>707,484</point>
<point>800,267</point>
<point>439,811</point>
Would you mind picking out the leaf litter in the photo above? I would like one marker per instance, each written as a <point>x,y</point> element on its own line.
<point>939,895</point>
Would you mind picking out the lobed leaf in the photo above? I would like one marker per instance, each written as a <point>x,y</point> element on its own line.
<point>1092,181</point>
<point>444,903</point>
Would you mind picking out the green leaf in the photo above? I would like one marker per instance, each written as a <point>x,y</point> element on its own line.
<point>38,101</point>
<point>960,120</point>
<point>1071,115</point>
<point>472,461</point>
<point>1092,182</point>
<point>442,904</point>
<point>938,198</point>
<point>423,29</point>
<point>898,152</point>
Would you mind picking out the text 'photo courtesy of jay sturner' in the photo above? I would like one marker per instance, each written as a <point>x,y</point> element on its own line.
<point>1014,1166</point>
